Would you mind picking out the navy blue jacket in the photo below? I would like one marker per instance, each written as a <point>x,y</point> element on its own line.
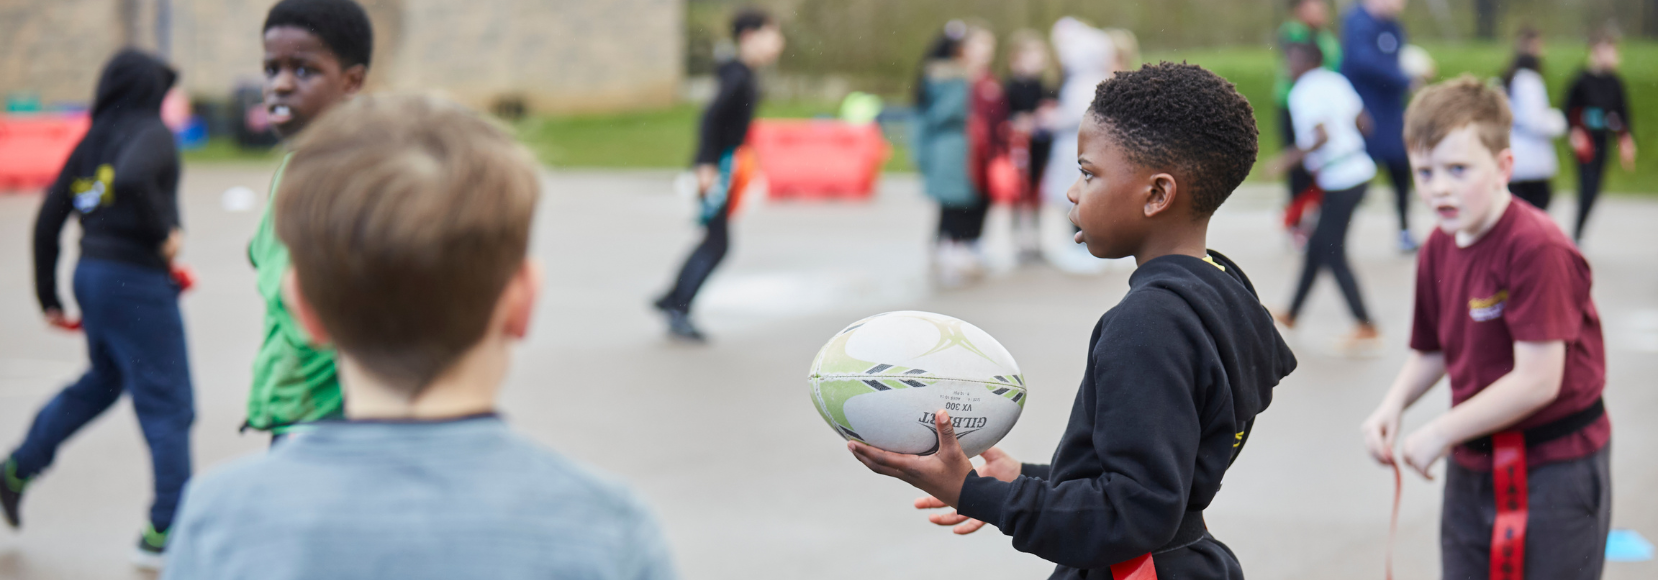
<point>1370,60</point>
<point>1176,374</point>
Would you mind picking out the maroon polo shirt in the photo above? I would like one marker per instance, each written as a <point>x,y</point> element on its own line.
<point>1522,281</point>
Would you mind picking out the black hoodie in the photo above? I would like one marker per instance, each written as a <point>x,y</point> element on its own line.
<point>1176,374</point>
<point>121,180</point>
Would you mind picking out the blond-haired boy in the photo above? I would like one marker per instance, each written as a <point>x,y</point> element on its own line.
<point>408,221</point>
<point>1503,308</point>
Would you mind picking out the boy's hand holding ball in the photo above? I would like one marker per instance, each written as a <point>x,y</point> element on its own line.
<point>940,474</point>
<point>997,465</point>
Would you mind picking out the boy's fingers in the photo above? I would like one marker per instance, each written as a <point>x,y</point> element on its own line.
<point>947,519</point>
<point>929,502</point>
<point>948,446</point>
<point>968,527</point>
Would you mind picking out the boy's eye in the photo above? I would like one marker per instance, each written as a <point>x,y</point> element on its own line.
<point>1424,174</point>
<point>1457,170</point>
<point>270,70</point>
<point>303,72</point>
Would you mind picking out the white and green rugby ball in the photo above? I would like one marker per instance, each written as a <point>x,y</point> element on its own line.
<point>881,379</point>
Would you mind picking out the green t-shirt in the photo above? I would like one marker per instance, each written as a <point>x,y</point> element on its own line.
<point>1297,32</point>
<point>293,382</point>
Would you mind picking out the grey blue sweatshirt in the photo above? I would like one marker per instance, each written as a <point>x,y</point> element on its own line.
<point>464,498</point>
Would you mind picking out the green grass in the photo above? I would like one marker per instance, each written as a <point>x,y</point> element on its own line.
<point>225,150</point>
<point>665,138</point>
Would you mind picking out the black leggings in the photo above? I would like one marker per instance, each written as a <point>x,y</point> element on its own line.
<point>1328,249</point>
<point>1398,172</point>
<point>699,264</point>
<point>1538,192</point>
<point>1589,181</point>
<point>962,224</point>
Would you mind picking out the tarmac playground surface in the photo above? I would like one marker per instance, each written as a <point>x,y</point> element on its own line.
<point>722,439</point>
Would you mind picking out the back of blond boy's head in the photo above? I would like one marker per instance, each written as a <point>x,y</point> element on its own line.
<point>405,217</point>
<point>1445,107</point>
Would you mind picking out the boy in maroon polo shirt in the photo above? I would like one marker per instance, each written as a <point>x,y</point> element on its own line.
<point>1503,308</point>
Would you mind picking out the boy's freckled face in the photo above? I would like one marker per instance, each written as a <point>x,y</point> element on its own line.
<point>1461,180</point>
<point>303,78</point>
<point>1107,205</point>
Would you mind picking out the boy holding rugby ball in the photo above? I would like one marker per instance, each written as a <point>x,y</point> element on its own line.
<point>1176,372</point>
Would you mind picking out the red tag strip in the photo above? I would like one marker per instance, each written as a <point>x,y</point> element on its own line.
<point>1139,568</point>
<point>1508,532</point>
<point>1393,524</point>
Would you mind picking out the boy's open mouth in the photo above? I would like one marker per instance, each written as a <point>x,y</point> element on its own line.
<point>1446,212</point>
<point>280,114</point>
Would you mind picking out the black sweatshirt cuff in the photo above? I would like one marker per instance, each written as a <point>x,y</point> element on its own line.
<point>1035,470</point>
<point>981,498</point>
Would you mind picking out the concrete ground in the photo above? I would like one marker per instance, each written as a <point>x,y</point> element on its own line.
<point>722,439</point>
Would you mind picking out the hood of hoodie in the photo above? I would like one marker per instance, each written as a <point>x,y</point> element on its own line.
<point>1253,354</point>
<point>132,82</point>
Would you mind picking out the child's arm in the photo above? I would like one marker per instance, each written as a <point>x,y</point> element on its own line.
<point>1535,381</point>
<point>1421,371</point>
<point>1144,427</point>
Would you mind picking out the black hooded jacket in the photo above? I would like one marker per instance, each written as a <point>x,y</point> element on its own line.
<point>1176,374</point>
<point>121,180</point>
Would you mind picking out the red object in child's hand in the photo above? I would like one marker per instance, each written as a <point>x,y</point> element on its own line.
<point>184,277</point>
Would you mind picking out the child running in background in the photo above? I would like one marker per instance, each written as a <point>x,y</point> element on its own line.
<point>317,55</point>
<point>1598,109</point>
<point>408,222</point>
<point>1329,144</point>
<point>1503,307</point>
<point>1536,125</point>
<point>721,163</point>
<point>950,135</point>
<point>1176,373</point>
<point>121,181</point>
<point>1029,101</point>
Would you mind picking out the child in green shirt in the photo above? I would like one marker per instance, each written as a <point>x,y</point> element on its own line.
<point>317,54</point>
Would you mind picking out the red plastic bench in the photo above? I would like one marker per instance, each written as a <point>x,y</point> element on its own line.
<point>33,148</point>
<point>818,159</point>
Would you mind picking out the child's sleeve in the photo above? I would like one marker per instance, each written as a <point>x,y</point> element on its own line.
<point>1548,288</point>
<point>1424,327</point>
<point>1144,373</point>
<point>717,116</point>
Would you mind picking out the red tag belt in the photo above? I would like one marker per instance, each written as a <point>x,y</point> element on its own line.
<point>1508,532</point>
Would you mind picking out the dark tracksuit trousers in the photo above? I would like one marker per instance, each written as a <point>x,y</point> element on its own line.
<point>1589,177</point>
<point>1327,248</point>
<point>135,340</point>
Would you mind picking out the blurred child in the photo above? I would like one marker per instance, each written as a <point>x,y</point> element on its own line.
<point>408,221</point>
<point>944,147</point>
<point>721,164</point>
<point>1372,38</point>
<point>317,55</point>
<point>1030,142</point>
<point>1503,307</point>
<point>1087,56</point>
<point>1177,371</point>
<point>1598,108</point>
<point>1328,143</point>
<point>1308,24</point>
<point>1536,125</point>
<point>121,182</point>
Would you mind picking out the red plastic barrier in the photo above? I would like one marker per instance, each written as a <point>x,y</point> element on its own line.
<point>818,159</point>
<point>34,147</point>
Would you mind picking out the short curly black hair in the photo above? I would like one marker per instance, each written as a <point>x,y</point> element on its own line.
<point>1184,118</point>
<point>342,25</point>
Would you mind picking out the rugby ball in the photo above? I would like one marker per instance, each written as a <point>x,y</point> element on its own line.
<point>1417,63</point>
<point>882,379</point>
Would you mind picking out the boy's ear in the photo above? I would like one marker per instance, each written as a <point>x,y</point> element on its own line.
<point>1505,164</point>
<point>1161,192</point>
<point>302,310</point>
<point>354,78</point>
<point>518,300</point>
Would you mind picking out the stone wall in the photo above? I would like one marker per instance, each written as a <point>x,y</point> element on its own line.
<point>553,55</point>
